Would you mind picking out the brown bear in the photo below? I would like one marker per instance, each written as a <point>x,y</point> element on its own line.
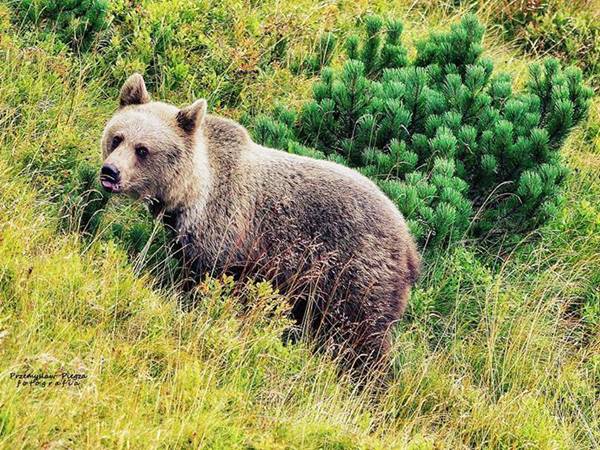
<point>325,235</point>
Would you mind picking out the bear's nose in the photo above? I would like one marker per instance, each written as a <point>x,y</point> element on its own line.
<point>109,172</point>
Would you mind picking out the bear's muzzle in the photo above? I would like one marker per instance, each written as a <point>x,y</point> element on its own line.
<point>110,178</point>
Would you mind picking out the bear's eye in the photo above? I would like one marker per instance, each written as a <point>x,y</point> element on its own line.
<point>116,142</point>
<point>141,151</point>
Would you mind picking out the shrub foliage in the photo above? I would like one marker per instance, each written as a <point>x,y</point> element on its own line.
<point>444,136</point>
<point>569,31</point>
<point>75,22</point>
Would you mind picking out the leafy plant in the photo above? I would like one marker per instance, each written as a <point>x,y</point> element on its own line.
<point>445,137</point>
<point>74,21</point>
<point>574,38</point>
<point>569,31</point>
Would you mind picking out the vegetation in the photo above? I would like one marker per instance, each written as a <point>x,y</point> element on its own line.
<point>443,136</point>
<point>75,22</point>
<point>499,348</point>
<point>567,30</point>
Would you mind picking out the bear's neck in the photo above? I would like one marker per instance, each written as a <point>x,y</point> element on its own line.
<point>214,179</point>
<point>192,188</point>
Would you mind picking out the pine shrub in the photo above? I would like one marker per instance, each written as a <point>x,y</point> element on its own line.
<point>445,137</point>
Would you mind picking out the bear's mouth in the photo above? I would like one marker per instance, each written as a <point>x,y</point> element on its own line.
<point>110,185</point>
<point>110,178</point>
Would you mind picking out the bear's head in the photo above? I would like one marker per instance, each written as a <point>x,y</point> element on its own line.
<point>151,149</point>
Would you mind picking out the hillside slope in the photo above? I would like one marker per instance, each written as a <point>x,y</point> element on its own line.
<point>500,348</point>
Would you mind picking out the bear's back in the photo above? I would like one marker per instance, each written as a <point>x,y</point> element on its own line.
<point>327,187</point>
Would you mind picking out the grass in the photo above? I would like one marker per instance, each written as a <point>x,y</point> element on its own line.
<point>500,347</point>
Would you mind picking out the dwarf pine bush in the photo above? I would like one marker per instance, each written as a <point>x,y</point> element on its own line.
<point>446,138</point>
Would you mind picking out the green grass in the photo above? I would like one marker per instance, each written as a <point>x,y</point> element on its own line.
<point>500,347</point>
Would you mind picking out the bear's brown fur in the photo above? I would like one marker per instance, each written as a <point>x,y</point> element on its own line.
<point>324,234</point>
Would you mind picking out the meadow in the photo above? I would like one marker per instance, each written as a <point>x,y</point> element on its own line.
<point>500,346</point>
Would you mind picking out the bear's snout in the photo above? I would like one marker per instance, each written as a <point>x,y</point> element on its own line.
<point>110,178</point>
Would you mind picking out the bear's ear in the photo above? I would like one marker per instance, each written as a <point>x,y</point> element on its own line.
<point>190,117</point>
<point>134,91</point>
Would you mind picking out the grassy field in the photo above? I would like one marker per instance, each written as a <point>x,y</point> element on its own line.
<point>500,347</point>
